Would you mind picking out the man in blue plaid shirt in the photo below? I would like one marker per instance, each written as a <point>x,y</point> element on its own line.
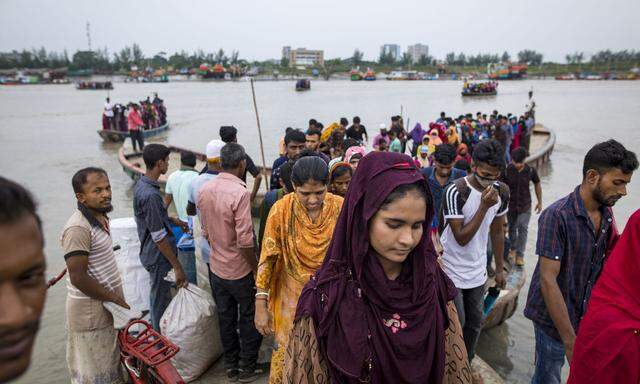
<point>575,235</point>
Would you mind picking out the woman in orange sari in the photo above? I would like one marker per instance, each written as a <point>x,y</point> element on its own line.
<point>297,235</point>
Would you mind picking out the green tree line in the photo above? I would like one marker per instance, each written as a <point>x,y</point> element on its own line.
<point>123,60</point>
<point>104,61</point>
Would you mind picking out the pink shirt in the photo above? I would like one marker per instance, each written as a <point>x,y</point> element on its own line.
<point>225,214</point>
<point>134,121</point>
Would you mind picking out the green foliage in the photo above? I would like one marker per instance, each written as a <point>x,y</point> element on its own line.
<point>530,57</point>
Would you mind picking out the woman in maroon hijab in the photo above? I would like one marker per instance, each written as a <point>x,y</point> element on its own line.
<point>377,309</point>
<point>607,349</point>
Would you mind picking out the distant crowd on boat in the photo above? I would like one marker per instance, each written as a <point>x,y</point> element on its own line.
<point>153,114</point>
<point>93,85</point>
<point>489,87</point>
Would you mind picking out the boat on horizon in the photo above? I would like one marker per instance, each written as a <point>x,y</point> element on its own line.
<point>94,85</point>
<point>355,75</point>
<point>403,75</point>
<point>370,75</point>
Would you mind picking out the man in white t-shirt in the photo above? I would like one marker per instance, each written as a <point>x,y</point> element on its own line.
<point>108,113</point>
<point>473,208</point>
<point>213,168</point>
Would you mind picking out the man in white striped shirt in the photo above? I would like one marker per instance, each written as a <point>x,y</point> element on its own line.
<point>92,349</point>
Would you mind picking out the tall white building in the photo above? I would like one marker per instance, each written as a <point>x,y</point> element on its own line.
<point>394,49</point>
<point>416,51</point>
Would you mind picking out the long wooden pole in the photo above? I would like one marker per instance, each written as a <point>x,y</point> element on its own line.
<point>264,162</point>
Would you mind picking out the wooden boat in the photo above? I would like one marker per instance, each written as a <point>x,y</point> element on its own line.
<point>542,144</point>
<point>355,75</point>
<point>303,85</point>
<point>479,94</point>
<point>133,165</point>
<point>117,136</point>
<point>569,76</point>
<point>370,75</point>
<point>93,85</point>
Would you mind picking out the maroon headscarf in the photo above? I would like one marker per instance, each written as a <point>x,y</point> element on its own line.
<point>369,327</point>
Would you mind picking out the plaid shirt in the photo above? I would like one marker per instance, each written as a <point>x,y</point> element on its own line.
<point>566,234</point>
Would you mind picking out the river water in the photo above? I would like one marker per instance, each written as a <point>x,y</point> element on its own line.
<point>47,132</point>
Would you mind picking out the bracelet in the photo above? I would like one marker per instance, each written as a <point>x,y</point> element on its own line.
<point>265,294</point>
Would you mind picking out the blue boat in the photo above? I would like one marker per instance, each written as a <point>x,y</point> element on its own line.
<point>118,136</point>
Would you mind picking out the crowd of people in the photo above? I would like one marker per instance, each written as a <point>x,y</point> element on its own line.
<point>134,117</point>
<point>480,88</point>
<point>367,267</point>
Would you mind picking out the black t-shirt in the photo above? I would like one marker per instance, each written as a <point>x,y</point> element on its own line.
<point>518,183</point>
<point>352,133</point>
<point>251,168</point>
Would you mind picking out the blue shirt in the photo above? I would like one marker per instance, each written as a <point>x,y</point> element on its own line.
<point>275,172</point>
<point>437,189</point>
<point>194,190</point>
<point>566,234</point>
<point>152,222</point>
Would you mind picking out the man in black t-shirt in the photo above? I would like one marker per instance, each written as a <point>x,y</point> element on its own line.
<point>357,131</point>
<point>518,177</point>
<point>229,134</point>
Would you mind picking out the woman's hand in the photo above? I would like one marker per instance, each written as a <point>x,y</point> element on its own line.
<point>262,319</point>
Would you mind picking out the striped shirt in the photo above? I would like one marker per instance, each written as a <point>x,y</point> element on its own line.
<point>84,236</point>
<point>466,265</point>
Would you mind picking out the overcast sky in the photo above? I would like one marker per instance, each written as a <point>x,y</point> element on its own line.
<point>259,29</point>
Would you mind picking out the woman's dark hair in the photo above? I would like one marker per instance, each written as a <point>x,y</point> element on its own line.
<point>79,179</point>
<point>607,155</point>
<point>404,189</point>
<point>444,154</point>
<point>489,152</point>
<point>340,170</point>
<point>518,155</point>
<point>15,203</point>
<point>152,153</point>
<point>309,168</point>
<point>344,121</point>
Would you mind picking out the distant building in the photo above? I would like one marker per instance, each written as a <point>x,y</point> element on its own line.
<point>416,51</point>
<point>286,52</point>
<point>394,49</point>
<point>303,56</point>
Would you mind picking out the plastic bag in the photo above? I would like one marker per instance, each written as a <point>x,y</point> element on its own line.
<point>136,282</point>
<point>191,322</point>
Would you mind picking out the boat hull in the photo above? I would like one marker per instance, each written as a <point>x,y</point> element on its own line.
<point>471,94</point>
<point>119,136</point>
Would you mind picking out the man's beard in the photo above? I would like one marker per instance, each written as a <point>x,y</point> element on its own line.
<point>603,200</point>
<point>105,209</point>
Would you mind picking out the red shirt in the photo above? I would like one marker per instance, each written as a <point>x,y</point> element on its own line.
<point>134,121</point>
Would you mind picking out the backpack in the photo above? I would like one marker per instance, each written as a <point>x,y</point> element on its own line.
<point>464,190</point>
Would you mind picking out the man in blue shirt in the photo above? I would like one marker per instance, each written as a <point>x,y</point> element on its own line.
<point>295,141</point>
<point>575,234</point>
<point>440,175</point>
<point>157,244</point>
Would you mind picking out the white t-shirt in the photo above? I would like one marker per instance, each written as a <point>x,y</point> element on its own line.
<point>108,109</point>
<point>467,266</point>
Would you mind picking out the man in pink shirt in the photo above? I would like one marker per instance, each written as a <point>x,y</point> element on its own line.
<point>134,121</point>
<point>225,213</point>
